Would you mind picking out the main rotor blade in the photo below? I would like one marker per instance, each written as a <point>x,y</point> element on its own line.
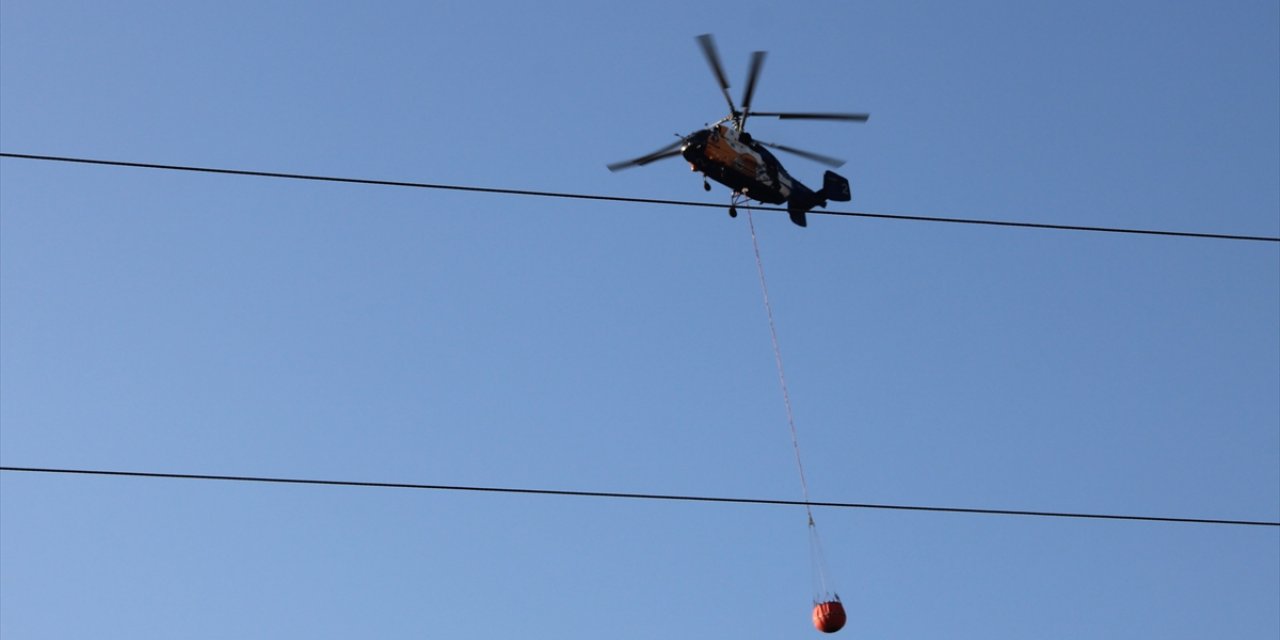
<point>816,157</point>
<point>708,45</point>
<point>665,152</point>
<point>757,61</point>
<point>847,117</point>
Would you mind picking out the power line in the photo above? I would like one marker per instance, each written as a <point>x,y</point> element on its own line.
<point>633,496</point>
<point>603,198</point>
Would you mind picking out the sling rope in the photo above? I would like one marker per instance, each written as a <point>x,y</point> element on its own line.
<point>816,555</point>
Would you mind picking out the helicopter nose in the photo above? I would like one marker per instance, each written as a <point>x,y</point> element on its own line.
<point>693,145</point>
<point>690,151</point>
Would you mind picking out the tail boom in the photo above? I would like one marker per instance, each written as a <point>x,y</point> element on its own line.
<point>835,187</point>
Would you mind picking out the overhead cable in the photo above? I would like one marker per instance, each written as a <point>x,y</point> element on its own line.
<point>632,496</point>
<point>604,198</point>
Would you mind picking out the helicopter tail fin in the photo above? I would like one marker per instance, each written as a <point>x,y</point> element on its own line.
<point>834,187</point>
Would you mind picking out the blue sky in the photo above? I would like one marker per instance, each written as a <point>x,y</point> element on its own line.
<point>187,323</point>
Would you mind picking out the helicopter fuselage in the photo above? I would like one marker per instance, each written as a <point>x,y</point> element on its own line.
<point>733,159</point>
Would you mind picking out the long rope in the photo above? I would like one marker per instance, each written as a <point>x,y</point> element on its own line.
<point>777,358</point>
<point>816,555</point>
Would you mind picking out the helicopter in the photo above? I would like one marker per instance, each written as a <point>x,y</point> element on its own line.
<point>726,153</point>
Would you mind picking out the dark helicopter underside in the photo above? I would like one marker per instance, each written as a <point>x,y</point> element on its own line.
<point>735,180</point>
<point>708,152</point>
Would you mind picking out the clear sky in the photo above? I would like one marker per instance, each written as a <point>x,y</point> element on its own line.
<point>166,322</point>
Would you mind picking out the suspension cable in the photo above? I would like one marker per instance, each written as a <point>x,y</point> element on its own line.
<point>817,557</point>
<point>777,358</point>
